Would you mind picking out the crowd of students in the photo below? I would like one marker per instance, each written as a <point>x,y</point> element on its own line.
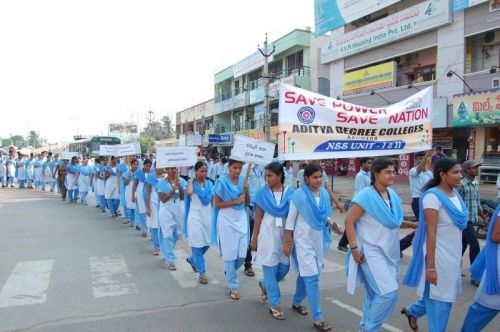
<point>241,208</point>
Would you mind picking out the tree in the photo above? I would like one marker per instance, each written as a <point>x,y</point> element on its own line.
<point>167,126</point>
<point>18,140</point>
<point>6,142</point>
<point>34,139</point>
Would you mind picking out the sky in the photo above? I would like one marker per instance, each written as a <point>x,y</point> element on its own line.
<point>69,67</point>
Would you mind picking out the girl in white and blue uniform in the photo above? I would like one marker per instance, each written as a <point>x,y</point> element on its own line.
<point>111,188</point>
<point>21,171</point>
<point>28,166</point>
<point>486,267</point>
<point>37,169</point>
<point>84,174</point>
<point>100,187</point>
<point>153,207</point>
<point>139,196</point>
<point>372,227</point>
<point>307,228</point>
<point>288,169</point>
<point>71,181</point>
<point>123,173</point>
<point>230,227</point>
<point>128,180</point>
<point>198,218</point>
<point>171,214</point>
<point>271,209</point>
<point>47,173</point>
<point>3,170</point>
<point>435,268</point>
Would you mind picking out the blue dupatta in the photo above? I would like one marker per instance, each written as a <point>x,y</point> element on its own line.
<point>225,189</point>
<point>486,261</point>
<point>459,218</point>
<point>372,203</point>
<point>266,201</point>
<point>204,194</point>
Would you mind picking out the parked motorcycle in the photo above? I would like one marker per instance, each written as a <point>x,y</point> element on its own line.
<point>481,227</point>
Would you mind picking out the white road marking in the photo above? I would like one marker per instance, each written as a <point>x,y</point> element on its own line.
<point>359,313</point>
<point>110,276</point>
<point>27,284</point>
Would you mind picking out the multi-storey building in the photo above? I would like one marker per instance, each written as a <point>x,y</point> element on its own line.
<point>378,55</point>
<point>193,124</point>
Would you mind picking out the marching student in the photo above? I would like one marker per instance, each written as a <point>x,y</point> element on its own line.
<point>29,168</point>
<point>230,222</point>
<point>437,255</point>
<point>288,168</point>
<point>20,171</point>
<point>84,175</point>
<point>171,214</point>
<point>99,182</point>
<point>139,196</point>
<point>372,227</point>
<point>72,179</point>
<point>198,218</point>
<point>153,206</point>
<point>111,188</point>
<point>128,182</point>
<point>271,209</point>
<point>486,267</point>
<point>307,230</point>
<point>122,173</point>
<point>53,168</point>
<point>37,166</point>
<point>61,170</point>
<point>3,170</point>
<point>47,172</point>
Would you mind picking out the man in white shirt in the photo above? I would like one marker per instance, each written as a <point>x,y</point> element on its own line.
<point>419,176</point>
<point>215,169</point>
<point>361,181</point>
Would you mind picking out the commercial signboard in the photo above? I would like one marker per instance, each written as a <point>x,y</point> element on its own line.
<point>219,138</point>
<point>370,78</point>
<point>464,4</point>
<point>123,128</point>
<point>476,109</point>
<point>413,20</point>
<point>250,63</point>
<point>321,127</point>
<point>331,14</point>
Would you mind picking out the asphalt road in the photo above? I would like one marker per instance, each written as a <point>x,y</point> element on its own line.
<point>68,267</point>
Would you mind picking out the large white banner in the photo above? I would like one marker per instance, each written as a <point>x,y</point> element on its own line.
<point>249,150</point>
<point>175,157</point>
<point>320,127</point>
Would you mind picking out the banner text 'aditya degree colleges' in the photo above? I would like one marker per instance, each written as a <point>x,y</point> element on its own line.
<point>313,126</point>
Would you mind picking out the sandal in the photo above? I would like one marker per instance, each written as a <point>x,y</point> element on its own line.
<point>323,326</point>
<point>234,295</point>
<point>412,320</point>
<point>300,309</point>
<point>277,313</point>
<point>156,252</point>
<point>249,272</point>
<point>172,267</point>
<point>203,280</point>
<point>192,265</point>
<point>263,292</point>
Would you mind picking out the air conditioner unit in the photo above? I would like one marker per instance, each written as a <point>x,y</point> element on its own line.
<point>491,37</point>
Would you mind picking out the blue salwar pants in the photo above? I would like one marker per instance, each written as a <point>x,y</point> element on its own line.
<point>478,317</point>
<point>272,276</point>
<point>113,205</point>
<point>167,245</point>
<point>232,267</point>
<point>438,312</point>
<point>197,259</point>
<point>308,286</point>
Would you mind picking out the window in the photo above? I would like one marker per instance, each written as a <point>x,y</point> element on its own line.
<point>495,82</point>
<point>276,68</point>
<point>294,62</point>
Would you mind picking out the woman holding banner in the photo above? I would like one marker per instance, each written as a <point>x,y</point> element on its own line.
<point>122,174</point>
<point>198,218</point>
<point>139,196</point>
<point>307,231</point>
<point>436,263</point>
<point>171,214</point>
<point>372,227</point>
<point>271,209</point>
<point>230,222</point>
<point>128,182</point>
<point>153,206</point>
<point>111,187</point>
<point>84,180</point>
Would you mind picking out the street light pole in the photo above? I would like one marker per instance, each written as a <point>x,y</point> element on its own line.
<point>265,76</point>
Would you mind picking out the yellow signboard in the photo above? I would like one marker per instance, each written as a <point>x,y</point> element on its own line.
<point>371,78</point>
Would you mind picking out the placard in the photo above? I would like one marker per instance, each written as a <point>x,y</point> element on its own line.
<point>25,151</point>
<point>252,151</point>
<point>129,149</point>
<point>321,127</point>
<point>65,155</point>
<point>175,157</point>
<point>107,150</point>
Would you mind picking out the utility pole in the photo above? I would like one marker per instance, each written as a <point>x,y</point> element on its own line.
<point>150,117</point>
<point>266,77</point>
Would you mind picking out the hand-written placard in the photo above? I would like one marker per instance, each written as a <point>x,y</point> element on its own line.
<point>175,157</point>
<point>68,155</point>
<point>107,150</point>
<point>129,149</point>
<point>252,151</point>
<point>25,151</point>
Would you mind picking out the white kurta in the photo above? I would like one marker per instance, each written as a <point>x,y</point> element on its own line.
<point>232,232</point>
<point>21,174</point>
<point>71,184</point>
<point>171,217</point>
<point>153,221</point>
<point>380,246</point>
<point>199,223</point>
<point>308,244</point>
<point>128,196</point>
<point>111,188</point>
<point>270,239</point>
<point>140,198</point>
<point>83,182</point>
<point>448,254</point>
<point>48,175</point>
